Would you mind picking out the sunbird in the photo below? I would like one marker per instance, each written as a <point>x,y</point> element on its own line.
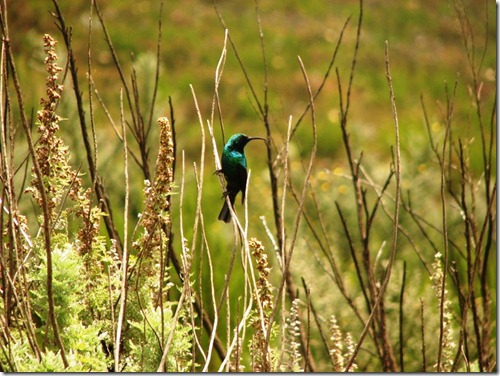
<point>234,168</point>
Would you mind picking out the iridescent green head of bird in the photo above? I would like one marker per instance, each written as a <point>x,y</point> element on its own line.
<point>238,141</point>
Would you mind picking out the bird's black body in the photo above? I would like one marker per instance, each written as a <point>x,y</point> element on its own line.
<point>234,168</point>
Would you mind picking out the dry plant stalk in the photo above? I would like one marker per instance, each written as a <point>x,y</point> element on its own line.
<point>156,214</point>
<point>156,218</point>
<point>261,353</point>
<point>341,349</point>
<point>445,362</point>
<point>52,174</point>
<point>51,154</point>
<point>53,158</point>
<point>293,340</point>
<point>125,256</point>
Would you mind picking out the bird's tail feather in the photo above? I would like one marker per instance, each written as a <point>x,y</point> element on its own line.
<point>225,213</point>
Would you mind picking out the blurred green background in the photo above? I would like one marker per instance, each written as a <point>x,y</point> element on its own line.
<point>426,51</point>
<point>426,54</point>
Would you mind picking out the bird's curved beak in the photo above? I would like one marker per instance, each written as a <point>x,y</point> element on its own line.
<point>258,138</point>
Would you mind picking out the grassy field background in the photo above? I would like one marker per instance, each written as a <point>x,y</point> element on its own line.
<point>426,47</point>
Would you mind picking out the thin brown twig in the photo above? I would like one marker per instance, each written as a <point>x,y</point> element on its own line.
<point>288,253</point>
<point>100,191</point>
<point>317,320</point>
<point>115,60</point>
<point>444,217</point>
<point>157,72</point>
<point>325,77</point>
<point>401,318</point>
<point>327,250</point>
<point>125,256</point>
<point>43,194</point>
<point>422,327</point>
<point>392,255</point>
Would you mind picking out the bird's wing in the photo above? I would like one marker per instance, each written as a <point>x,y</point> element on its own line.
<point>242,178</point>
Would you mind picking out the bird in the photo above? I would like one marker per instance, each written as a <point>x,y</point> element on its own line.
<point>234,168</point>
